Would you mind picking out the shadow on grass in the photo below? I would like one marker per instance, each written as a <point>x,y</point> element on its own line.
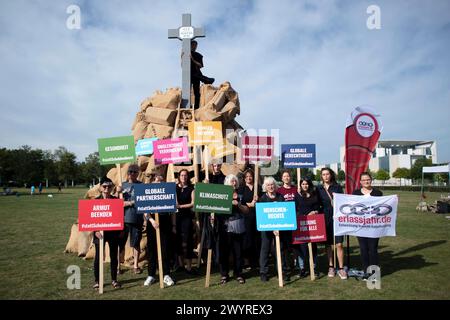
<point>391,262</point>
<point>421,247</point>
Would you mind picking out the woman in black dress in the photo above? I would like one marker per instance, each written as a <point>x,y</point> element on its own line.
<point>252,238</point>
<point>184,221</point>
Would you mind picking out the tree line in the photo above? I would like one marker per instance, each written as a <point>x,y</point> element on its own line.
<point>26,166</point>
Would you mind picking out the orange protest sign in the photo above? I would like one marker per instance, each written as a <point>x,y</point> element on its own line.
<point>205,132</point>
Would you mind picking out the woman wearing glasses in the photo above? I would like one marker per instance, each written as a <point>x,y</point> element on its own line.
<point>112,237</point>
<point>368,246</point>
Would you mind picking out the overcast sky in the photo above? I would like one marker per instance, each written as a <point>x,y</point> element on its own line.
<point>298,66</point>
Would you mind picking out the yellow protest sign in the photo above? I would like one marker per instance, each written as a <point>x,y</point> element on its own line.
<point>205,132</point>
<point>221,149</point>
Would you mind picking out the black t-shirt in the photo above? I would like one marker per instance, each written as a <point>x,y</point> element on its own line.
<point>307,204</point>
<point>217,178</point>
<point>265,198</point>
<point>195,69</point>
<point>184,196</point>
<point>374,193</point>
<point>247,194</point>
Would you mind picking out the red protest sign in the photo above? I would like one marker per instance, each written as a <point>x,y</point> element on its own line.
<point>310,229</point>
<point>100,214</point>
<point>256,148</point>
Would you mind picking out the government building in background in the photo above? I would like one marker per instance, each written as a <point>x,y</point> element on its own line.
<point>390,155</point>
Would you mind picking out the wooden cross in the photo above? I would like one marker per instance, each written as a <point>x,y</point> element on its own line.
<point>186,33</point>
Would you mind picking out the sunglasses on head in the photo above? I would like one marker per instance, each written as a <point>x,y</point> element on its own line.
<point>107,186</point>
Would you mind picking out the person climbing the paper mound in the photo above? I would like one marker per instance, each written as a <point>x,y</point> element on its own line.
<point>196,73</point>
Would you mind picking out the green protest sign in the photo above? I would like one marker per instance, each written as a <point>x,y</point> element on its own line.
<point>116,150</point>
<point>215,198</point>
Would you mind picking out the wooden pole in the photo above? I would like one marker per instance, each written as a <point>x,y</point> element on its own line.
<point>158,245</point>
<point>119,172</point>
<point>206,163</point>
<point>208,263</point>
<point>299,176</point>
<point>280,271</point>
<point>311,262</point>
<point>255,187</point>
<point>194,150</point>
<point>334,250</point>
<point>100,289</point>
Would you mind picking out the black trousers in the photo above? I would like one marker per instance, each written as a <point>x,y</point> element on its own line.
<point>267,246</point>
<point>195,80</point>
<point>113,243</point>
<point>252,240</point>
<point>230,243</point>
<point>369,251</point>
<point>152,250</point>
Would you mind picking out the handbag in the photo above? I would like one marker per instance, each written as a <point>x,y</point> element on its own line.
<point>236,226</point>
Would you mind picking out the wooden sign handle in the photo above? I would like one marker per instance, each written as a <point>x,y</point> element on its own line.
<point>299,177</point>
<point>194,151</point>
<point>208,263</point>
<point>158,245</point>
<point>119,173</point>
<point>280,270</point>
<point>206,164</point>
<point>311,262</point>
<point>256,182</point>
<point>101,254</point>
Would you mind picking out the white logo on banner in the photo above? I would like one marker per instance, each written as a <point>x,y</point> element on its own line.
<point>363,216</point>
<point>365,125</point>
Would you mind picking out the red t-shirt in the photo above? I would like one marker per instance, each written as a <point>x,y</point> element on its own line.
<point>288,193</point>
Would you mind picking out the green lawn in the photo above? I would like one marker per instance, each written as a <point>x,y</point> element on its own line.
<point>34,231</point>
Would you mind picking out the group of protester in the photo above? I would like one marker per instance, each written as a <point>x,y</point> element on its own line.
<point>233,235</point>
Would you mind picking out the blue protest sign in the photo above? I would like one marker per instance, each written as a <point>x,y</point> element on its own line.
<point>298,155</point>
<point>145,146</point>
<point>155,197</point>
<point>276,216</point>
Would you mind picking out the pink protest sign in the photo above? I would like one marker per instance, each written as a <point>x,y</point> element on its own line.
<point>170,151</point>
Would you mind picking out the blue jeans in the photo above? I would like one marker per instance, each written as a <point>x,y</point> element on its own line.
<point>303,255</point>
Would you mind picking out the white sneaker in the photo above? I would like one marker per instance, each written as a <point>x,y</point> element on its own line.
<point>149,281</point>
<point>342,274</point>
<point>168,281</point>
